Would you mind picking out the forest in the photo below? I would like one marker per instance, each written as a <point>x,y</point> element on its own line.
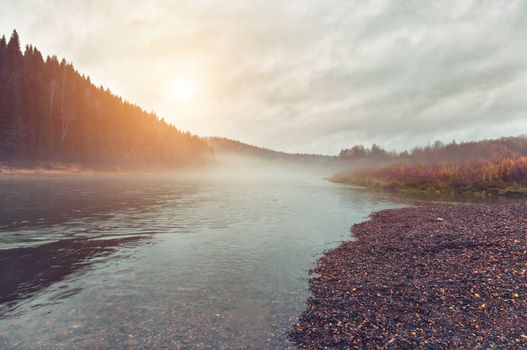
<point>51,114</point>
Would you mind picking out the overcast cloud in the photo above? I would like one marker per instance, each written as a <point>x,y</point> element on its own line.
<point>301,76</point>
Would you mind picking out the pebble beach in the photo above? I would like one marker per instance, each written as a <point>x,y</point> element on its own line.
<point>427,277</point>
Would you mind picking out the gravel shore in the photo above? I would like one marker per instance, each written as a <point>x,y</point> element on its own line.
<point>430,277</point>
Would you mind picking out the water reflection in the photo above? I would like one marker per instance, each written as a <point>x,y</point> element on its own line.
<point>25,271</point>
<point>53,227</point>
<point>28,202</point>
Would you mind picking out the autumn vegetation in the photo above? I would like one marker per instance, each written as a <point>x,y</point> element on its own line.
<point>485,168</point>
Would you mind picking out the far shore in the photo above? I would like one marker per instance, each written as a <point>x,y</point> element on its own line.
<point>427,277</point>
<point>43,169</point>
<point>61,171</point>
<point>76,170</point>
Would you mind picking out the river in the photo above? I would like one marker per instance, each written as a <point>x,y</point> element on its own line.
<point>164,261</point>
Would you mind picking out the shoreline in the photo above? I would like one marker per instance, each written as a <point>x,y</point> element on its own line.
<point>79,171</point>
<point>436,190</point>
<point>427,277</point>
<point>63,172</point>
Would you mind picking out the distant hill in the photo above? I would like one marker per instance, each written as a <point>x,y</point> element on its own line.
<point>359,156</point>
<point>243,155</point>
<point>223,145</point>
<point>51,113</point>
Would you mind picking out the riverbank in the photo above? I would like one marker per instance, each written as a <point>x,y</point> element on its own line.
<point>43,170</point>
<point>505,177</point>
<point>67,170</point>
<point>430,277</point>
<point>438,190</point>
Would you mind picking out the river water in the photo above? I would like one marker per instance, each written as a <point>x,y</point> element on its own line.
<point>95,262</point>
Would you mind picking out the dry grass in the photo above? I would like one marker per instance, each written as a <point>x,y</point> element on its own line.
<point>505,176</point>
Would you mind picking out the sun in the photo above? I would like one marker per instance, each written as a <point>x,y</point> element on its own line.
<point>183,90</point>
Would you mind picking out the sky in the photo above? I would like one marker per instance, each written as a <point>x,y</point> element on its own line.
<point>305,76</point>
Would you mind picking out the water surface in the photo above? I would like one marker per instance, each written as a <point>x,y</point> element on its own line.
<point>164,262</point>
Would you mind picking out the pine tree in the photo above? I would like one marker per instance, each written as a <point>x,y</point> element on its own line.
<point>12,135</point>
<point>3,83</point>
<point>3,55</point>
<point>14,54</point>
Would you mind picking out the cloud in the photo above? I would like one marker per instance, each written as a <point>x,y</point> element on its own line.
<point>303,76</point>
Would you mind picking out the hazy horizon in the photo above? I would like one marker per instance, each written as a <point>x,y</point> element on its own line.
<point>302,77</point>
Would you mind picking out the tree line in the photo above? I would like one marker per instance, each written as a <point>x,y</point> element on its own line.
<point>438,152</point>
<point>49,112</point>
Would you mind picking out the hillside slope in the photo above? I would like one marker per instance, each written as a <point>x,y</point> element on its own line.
<point>50,113</point>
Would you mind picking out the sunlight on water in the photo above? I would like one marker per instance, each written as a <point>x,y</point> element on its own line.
<point>164,262</point>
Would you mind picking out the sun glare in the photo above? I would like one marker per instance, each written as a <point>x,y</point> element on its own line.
<point>183,90</point>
